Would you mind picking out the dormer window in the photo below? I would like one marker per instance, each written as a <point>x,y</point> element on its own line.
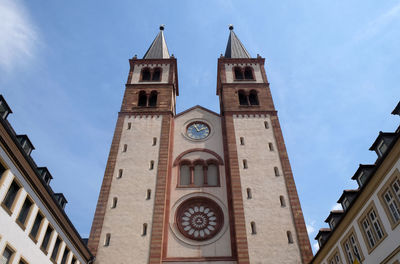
<point>332,223</point>
<point>362,178</point>
<point>345,203</point>
<point>5,110</point>
<point>320,241</point>
<point>25,144</point>
<point>46,176</point>
<point>382,147</point>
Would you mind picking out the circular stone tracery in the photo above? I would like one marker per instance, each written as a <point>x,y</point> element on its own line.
<point>199,218</point>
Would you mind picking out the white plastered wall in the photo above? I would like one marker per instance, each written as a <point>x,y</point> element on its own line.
<point>270,243</point>
<point>389,244</point>
<point>222,246</point>
<point>125,222</point>
<point>13,235</point>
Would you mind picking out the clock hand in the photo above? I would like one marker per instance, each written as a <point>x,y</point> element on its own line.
<point>197,129</point>
<point>203,128</point>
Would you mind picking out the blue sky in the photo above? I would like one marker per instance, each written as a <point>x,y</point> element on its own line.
<point>333,68</point>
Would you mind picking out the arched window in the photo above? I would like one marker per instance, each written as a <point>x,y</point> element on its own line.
<point>146,74</point>
<point>212,175</point>
<point>282,199</point>
<point>107,240</point>
<point>198,175</point>
<point>144,229</point>
<point>114,202</point>
<point>142,99</point>
<point>276,170</point>
<point>289,237</point>
<point>249,195</point>
<point>184,175</point>
<point>238,73</point>
<point>266,125</point>
<point>253,228</point>
<point>248,73</point>
<point>242,98</point>
<point>156,74</point>
<point>253,98</point>
<point>153,98</point>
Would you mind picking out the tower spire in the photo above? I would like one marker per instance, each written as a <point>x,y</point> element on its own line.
<point>235,48</point>
<point>158,48</point>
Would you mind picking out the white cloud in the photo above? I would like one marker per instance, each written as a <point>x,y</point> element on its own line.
<point>376,25</point>
<point>315,246</point>
<point>311,228</point>
<point>18,36</point>
<point>336,206</point>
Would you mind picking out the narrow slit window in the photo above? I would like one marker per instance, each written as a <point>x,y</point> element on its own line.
<point>107,240</point>
<point>148,194</point>
<point>245,166</point>
<point>11,195</point>
<point>36,226</point>
<point>282,199</point>
<point>120,172</point>
<point>114,202</point>
<point>266,125</point>
<point>23,214</point>
<point>289,237</point>
<point>56,248</point>
<point>271,146</point>
<point>276,171</point>
<point>154,141</point>
<point>125,148</point>
<point>241,141</point>
<point>46,239</point>
<point>253,228</point>
<point>129,126</point>
<point>144,229</point>
<point>151,165</point>
<point>249,195</point>
<point>65,256</point>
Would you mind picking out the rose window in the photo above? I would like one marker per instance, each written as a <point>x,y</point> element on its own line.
<point>199,218</point>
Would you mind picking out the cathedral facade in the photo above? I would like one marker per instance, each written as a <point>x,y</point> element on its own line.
<point>198,186</point>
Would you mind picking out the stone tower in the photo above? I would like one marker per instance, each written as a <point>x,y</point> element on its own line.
<point>198,186</point>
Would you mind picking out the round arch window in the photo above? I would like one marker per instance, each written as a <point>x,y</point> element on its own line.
<point>199,218</point>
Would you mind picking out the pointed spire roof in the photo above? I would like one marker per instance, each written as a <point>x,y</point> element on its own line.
<point>158,49</point>
<point>235,48</point>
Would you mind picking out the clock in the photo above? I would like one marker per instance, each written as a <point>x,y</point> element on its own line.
<point>198,130</point>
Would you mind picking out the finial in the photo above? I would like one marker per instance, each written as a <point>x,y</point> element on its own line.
<point>162,26</point>
<point>230,27</point>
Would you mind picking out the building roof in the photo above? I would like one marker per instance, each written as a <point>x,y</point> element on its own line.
<point>158,49</point>
<point>235,48</point>
<point>396,110</point>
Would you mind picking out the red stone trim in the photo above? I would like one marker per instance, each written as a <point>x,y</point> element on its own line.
<point>194,107</point>
<point>159,230</point>
<point>178,159</point>
<point>102,202</point>
<point>234,189</point>
<point>301,231</point>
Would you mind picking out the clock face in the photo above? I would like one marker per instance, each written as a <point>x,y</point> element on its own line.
<point>198,130</point>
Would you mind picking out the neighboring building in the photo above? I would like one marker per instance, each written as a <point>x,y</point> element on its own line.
<point>367,230</point>
<point>198,186</point>
<point>33,225</point>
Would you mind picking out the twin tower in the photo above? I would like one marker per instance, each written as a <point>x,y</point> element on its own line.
<point>198,186</point>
